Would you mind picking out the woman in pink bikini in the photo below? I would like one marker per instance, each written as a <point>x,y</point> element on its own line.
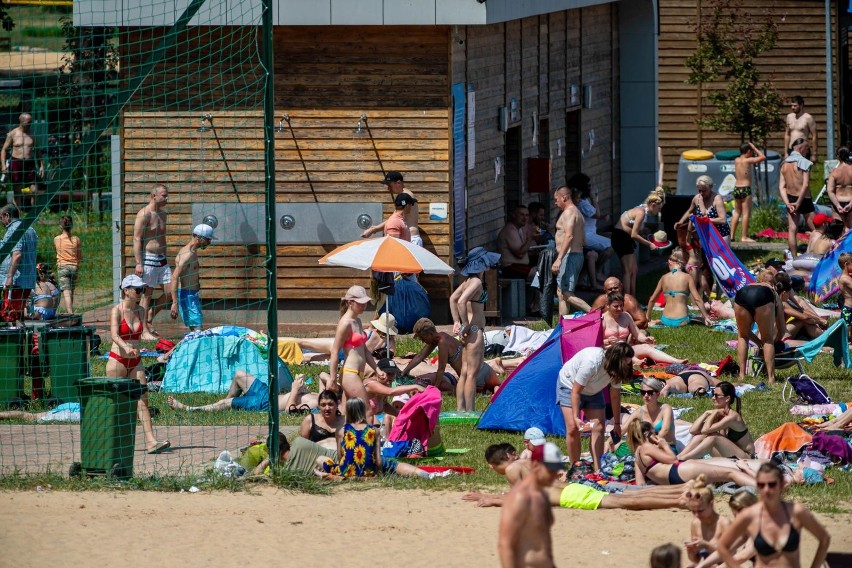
<point>351,338</point>
<point>127,322</point>
<point>619,326</point>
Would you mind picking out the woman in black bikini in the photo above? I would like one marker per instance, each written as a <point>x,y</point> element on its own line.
<point>324,425</point>
<point>656,463</point>
<point>775,526</point>
<point>759,303</point>
<point>721,431</point>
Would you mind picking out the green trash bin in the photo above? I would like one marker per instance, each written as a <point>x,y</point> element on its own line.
<point>13,347</point>
<point>107,426</point>
<point>65,354</point>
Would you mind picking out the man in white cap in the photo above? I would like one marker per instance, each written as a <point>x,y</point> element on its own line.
<point>185,291</point>
<point>532,437</point>
<point>526,519</point>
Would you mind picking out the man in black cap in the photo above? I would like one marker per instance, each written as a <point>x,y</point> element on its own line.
<point>774,265</point>
<point>394,181</point>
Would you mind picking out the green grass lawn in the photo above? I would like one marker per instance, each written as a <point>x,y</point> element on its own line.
<point>763,411</point>
<point>37,27</point>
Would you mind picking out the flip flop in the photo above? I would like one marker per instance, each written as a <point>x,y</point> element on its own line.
<point>160,447</point>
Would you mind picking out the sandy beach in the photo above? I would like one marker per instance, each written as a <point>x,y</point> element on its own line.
<point>361,526</point>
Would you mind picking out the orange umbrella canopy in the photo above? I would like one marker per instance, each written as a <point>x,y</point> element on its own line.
<point>386,254</point>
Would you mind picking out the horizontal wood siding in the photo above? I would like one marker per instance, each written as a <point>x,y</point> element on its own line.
<point>161,147</point>
<point>362,66</point>
<point>796,67</point>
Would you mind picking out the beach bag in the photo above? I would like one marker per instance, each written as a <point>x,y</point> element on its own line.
<point>835,447</point>
<point>806,389</point>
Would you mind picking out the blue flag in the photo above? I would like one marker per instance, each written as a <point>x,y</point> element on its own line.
<point>824,278</point>
<point>726,267</point>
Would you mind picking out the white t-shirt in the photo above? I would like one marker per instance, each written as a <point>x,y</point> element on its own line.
<point>585,368</point>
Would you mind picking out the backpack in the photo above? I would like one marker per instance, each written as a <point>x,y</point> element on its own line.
<point>806,389</point>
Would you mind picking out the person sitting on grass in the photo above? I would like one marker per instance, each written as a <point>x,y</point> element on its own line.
<point>504,460</point>
<point>618,326</point>
<point>359,453</point>
<point>249,393</point>
<point>656,463</point>
<point>721,431</point>
<point>322,428</point>
<point>300,456</point>
<point>660,415</point>
<point>379,389</point>
<point>677,286</point>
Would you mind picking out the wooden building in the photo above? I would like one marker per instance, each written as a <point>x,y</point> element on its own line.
<point>797,66</point>
<point>367,86</point>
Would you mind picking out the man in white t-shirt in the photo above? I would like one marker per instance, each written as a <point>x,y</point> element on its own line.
<point>582,380</point>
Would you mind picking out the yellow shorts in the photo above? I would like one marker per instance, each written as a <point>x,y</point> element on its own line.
<point>579,496</point>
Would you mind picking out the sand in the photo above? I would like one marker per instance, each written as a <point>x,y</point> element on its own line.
<point>387,527</point>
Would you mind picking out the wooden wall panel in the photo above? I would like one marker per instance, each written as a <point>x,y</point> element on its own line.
<point>362,66</point>
<point>167,148</point>
<point>796,66</point>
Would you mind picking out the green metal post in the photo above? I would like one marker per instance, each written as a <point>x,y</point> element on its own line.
<point>266,56</point>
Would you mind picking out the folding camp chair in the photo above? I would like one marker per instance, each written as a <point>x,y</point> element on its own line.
<point>783,360</point>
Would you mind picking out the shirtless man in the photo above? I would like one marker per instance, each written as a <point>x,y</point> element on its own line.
<point>22,165</point>
<point>795,190</point>
<point>186,299</point>
<point>845,284</point>
<point>800,124</point>
<point>394,181</point>
<point>839,188</point>
<point>524,539</point>
<point>749,156</point>
<point>570,238</point>
<point>631,306</point>
<point>513,244</point>
<point>149,251</point>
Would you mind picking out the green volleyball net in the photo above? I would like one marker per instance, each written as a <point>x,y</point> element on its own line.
<point>120,99</point>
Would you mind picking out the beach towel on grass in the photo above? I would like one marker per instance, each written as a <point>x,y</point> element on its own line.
<point>788,437</point>
<point>416,421</point>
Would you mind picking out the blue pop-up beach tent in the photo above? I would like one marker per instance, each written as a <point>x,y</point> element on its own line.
<point>528,396</point>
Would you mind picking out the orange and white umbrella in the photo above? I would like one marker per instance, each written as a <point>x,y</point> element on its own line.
<point>386,254</point>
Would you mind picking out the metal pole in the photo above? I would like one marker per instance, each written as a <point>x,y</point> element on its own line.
<point>829,86</point>
<point>271,252</point>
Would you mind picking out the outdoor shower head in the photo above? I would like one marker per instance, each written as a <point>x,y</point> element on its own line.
<point>361,129</point>
<point>280,127</point>
<point>206,123</point>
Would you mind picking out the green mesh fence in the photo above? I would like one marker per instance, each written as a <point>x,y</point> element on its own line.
<point>126,130</point>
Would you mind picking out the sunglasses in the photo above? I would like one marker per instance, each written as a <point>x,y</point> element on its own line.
<point>719,395</point>
<point>138,290</point>
<point>649,393</point>
<point>769,484</point>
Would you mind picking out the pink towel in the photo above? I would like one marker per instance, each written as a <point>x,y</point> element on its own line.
<point>418,417</point>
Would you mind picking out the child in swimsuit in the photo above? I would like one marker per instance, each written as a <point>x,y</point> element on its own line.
<point>677,286</point>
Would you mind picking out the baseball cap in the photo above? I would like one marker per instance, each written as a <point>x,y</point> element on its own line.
<point>132,281</point>
<point>391,177</point>
<point>775,262</point>
<point>387,365</point>
<point>548,454</point>
<point>358,294</point>
<point>534,436</point>
<point>821,219</point>
<point>204,231</point>
<point>404,199</point>
<point>401,398</point>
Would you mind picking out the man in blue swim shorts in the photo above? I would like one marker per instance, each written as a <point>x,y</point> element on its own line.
<point>185,292</point>
<point>245,393</point>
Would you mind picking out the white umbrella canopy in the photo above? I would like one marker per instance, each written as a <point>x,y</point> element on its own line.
<point>387,254</point>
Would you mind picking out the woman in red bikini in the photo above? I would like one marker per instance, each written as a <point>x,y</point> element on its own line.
<point>351,338</point>
<point>126,327</point>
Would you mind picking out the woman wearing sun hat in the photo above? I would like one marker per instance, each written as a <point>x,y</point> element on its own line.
<point>351,338</point>
<point>467,305</point>
<point>677,287</point>
<point>127,322</point>
<point>708,204</point>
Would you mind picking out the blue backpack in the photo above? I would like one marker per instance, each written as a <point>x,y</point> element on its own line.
<point>806,389</point>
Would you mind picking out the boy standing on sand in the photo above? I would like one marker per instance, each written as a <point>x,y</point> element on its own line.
<point>750,155</point>
<point>845,283</point>
<point>186,299</point>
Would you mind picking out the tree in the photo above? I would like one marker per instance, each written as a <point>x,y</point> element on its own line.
<point>729,42</point>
